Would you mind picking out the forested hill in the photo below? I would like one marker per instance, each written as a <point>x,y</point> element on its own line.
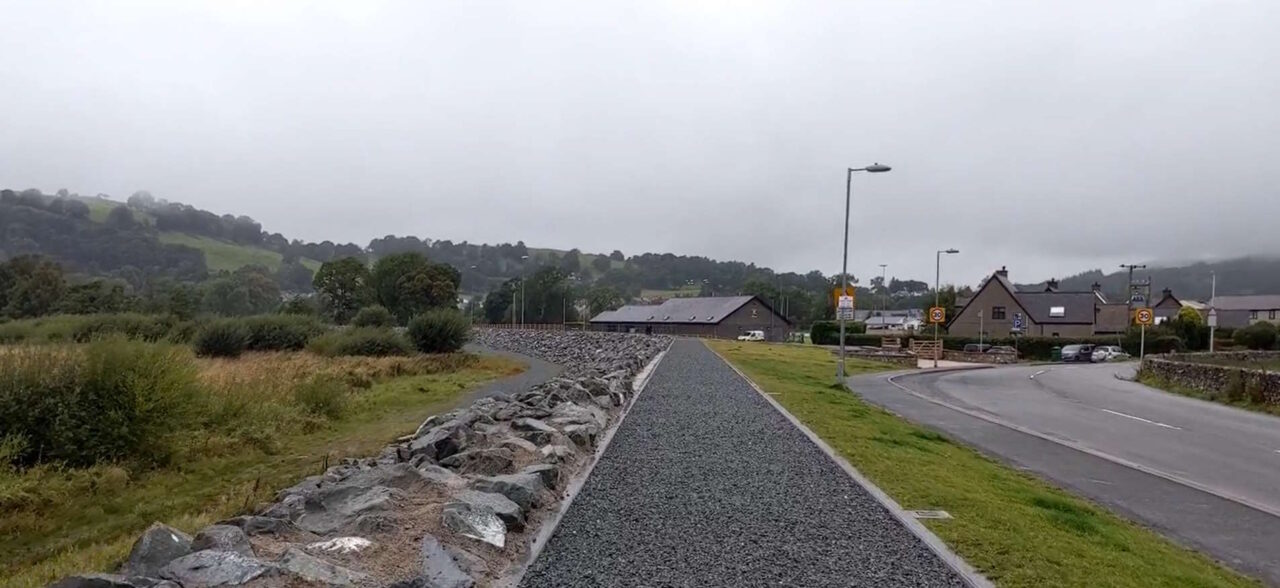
<point>1241,276</point>
<point>145,238</point>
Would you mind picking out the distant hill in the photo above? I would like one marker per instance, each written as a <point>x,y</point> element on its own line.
<point>1245,275</point>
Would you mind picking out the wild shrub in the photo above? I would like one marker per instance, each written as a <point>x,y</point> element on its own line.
<point>140,327</point>
<point>439,331</point>
<point>221,338</point>
<point>322,396</point>
<point>113,400</point>
<point>1256,336</point>
<point>280,332</point>
<point>365,341</point>
<point>373,316</point>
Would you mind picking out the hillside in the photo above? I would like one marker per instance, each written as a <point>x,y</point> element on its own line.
<point>1245,275</point>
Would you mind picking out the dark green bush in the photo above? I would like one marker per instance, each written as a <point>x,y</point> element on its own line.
<point>221,338</point>
<point>322,396</point>
<point>373,316</point>
<point>140,327</point>
<point>366,341</point>
<point>1256,336</point>
<point>300,305</point>
<point>828,332</point>
<point>439,331</point>
<point>112,400</point>
<point>280,332</point>
<point>1166,344</point>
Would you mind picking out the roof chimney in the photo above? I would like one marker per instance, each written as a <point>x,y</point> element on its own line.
<point>1051,285</point>
<point>1168,292</point>
<point>1096,287</point>
<point>1002,272</point>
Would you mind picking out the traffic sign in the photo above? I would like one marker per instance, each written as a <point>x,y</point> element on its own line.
<point>850,292</point>
<point>937,314</point>
<point>844,314</point>
<point>1017,321</point>
<point>845,302</point>
<point>1144,316</point>
<point>1213,317</point>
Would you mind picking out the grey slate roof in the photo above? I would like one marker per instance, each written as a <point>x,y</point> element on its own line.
<point>708,310</point>
<point>1078,306</point>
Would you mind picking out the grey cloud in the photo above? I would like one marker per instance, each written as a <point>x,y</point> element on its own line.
<point>1050,138</point>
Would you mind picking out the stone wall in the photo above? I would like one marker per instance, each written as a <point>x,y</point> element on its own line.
<point>1189,370</point>
<point>907,360</point>
<point>974,357</point>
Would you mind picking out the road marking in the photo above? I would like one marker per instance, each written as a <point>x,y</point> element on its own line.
<point>1033,376</point>
<point>1129,416</point>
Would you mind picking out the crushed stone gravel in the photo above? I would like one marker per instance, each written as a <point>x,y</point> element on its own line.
<point>705,484</point>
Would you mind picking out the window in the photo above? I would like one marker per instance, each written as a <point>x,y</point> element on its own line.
<point>1271,314</point>
<point>1055,334</point>
<point>1058,311</point>
<point>997,313</point>
<point>1253,315</point>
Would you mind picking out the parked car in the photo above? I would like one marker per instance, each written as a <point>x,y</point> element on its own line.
<point>1108,353</point>
<point>1077,353</point>
<point>752,336</point>
<point>1003,349</point>
<point>976,347</point>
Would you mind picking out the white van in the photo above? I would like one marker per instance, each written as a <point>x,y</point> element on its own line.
<point>752,336</point>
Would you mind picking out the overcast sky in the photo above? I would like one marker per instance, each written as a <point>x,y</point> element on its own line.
<point>1052,137</point>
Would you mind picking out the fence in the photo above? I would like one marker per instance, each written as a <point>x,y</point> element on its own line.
<point>535,326</point>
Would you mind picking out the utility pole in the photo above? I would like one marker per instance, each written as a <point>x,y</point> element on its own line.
<point>1129,285</point>
<point>1213,312</point>
<point>884,293</point>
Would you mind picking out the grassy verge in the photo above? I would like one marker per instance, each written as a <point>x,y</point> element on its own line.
<point>57,521</point>
<point>1238,399</point>
<point>223,255</point>
<point>1016,529</point>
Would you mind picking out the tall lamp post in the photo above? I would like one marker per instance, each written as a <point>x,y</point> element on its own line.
<point>844,265</point>
<point>884,296</point>
<point>937,298</point>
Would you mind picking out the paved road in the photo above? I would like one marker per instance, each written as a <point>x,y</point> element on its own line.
<point>537,372</point>
<point>1218,449</point>
<point>705,484</point>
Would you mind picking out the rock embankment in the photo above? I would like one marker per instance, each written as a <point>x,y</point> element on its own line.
<point>452,505</point>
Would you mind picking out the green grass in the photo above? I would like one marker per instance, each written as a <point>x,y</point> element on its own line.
<point>222,255</point>
<point>60,521</point>
<point>1014,528</point>
<point>99,209</point>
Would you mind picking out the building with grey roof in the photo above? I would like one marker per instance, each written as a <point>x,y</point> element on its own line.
<point>720,317</point>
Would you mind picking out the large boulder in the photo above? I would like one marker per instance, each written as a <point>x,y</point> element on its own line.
<point>439,570</point>
<point>550,474</point>
<point>340,506</point>
<point>222,538</point>
<point>474,521</point>
<point>567,413</point>
<point>522,489</point>
<point>517,445</point>
<point>485,462</point>
<point>435,474</point>
<point>511,514</point>
<point>440,442</point>
<point>158,545</point>
<point>110,581</point>
<point>256,525</point>
<point>313,569</point>
<point>582,435</point>
<point>556,453</point>
<point>208,569</point>
<point>399,475</point>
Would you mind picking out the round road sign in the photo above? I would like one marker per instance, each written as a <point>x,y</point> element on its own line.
<point>937,314</point>
<point>1144,316</point>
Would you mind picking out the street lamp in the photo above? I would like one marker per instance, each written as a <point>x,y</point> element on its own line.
<point>1213,312</point>
<point>937,292</point>
<point>874,168</point>
<point>523,258</point>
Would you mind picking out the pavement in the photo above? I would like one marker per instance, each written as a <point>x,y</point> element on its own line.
<point>1204,474</point>
<point>705,484</point>
<point>536,372</point>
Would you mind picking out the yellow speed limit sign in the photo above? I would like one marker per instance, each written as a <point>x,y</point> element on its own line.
<point>937,314</point>
<point>1144,316</point>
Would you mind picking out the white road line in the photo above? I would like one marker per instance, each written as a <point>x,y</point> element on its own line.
<point>1129,416</point>
<point>1033,376</point>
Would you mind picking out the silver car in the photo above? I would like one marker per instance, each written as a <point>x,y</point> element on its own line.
<point>1103,353</point>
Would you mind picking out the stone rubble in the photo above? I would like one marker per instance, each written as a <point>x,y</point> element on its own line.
<point>468,489</point>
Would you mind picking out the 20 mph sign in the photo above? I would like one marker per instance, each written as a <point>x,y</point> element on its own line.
<point>1144,316</point>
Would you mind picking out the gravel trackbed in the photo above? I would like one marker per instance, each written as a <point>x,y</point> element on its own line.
<point>705,484</point>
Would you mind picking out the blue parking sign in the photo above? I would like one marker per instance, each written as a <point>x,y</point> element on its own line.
<point>1017,320</point>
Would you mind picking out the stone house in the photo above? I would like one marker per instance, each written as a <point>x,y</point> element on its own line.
<point>723,317</point>
<point>999,309</point>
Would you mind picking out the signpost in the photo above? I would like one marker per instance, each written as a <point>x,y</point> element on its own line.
<point>1143,316</point>
<point>1017,322</point>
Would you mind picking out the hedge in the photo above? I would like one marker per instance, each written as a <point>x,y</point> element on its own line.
<point>828,332</point>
